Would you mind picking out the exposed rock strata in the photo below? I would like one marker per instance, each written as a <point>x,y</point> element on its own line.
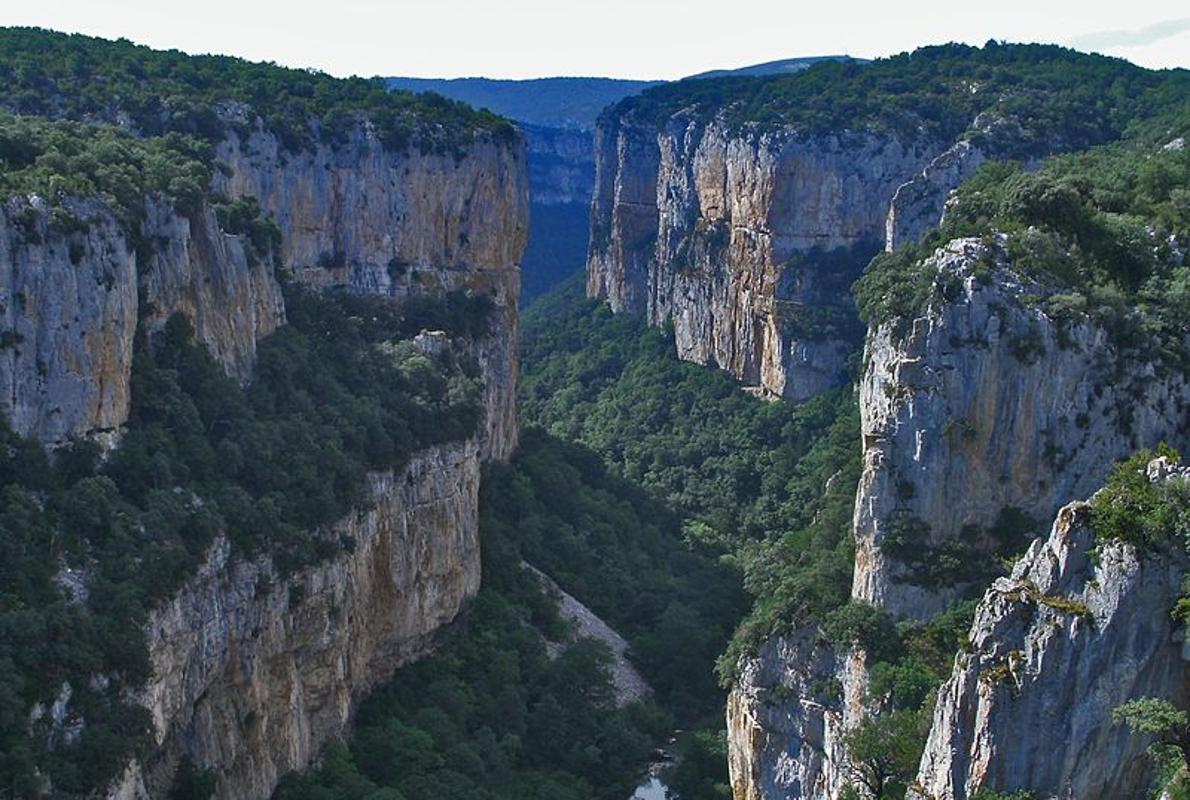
<point>73,286</point>
<point>785,720</point>
<point>1075,631</point>
<point>984,403</point>
<point>918,204</point>
<point>254,671</point>
<point>401,224</point>
<point>746,240</point>
<point>980,404</point>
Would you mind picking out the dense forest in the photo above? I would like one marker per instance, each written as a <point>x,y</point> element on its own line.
<point>1062,99</point>
<point>768,485</point>
<point>158,92</point>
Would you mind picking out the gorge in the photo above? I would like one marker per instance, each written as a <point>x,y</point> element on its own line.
<point>852,455</point>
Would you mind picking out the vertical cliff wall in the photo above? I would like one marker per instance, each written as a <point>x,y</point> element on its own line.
<point>981,407</point>
<point>73,286</point>
<point>254,671</point>
<point>1078,628</point>
<point>747,240</point>
<point>401,224</point>
<point>981,416</point>
<point>396,224</point>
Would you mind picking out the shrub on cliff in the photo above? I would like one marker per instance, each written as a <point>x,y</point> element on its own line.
<point>1103,234</point>
<point>1132,508</point>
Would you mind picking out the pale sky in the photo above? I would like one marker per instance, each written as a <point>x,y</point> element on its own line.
<point>617,38</point>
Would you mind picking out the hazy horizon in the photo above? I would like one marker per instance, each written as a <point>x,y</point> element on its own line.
<point>641,39</point>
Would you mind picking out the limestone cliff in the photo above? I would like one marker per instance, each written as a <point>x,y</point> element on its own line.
<point>254,671</point>
<point>984,411</point>
<point>400,224</point>
<point>785,722</point>
<point>746,239</point>
<point>72,287</point>
<point>918,204</point>
<point>981,416</point>
<point>1076,630</point>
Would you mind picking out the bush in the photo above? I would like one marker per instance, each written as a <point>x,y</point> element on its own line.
<point>1133,509</point>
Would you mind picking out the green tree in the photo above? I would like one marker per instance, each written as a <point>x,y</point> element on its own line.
<point>1167,727</point>
<point>884,751</point>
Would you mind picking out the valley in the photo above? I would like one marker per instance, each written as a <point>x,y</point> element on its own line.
<point>809,430</point>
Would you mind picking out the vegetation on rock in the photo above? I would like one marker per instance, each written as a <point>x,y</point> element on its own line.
<point>1057,95</point>
<point>1100,235</point>
<point>87,548</point>
<point>492,714</point>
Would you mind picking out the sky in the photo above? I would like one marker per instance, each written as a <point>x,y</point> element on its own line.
<point>615,38</point>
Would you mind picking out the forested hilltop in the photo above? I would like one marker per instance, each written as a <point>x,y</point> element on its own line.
<point>157,92</point>
<point>1055,93</point>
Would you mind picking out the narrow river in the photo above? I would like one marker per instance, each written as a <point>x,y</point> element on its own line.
<point>652,785</point>
<point>651,789</point>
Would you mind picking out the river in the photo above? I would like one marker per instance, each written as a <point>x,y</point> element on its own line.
<point>652,785</point>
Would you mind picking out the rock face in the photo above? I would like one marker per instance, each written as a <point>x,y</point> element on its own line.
<point>73,286</point>
<point>197,270</point>
<point>254,671</point>
<point>746,240</point>
<point>980,414</point>
<point>401,224</point>
<point>785,720</point>
<point>918,203</point>
<point>1073,632</point>
<point>983,404</point>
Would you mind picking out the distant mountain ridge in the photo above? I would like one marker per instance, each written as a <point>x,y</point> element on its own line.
<point>547,102</point>
<point>572,102</point>
<point>780,67</point>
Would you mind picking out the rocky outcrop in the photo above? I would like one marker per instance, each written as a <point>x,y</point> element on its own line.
<point>747,240</point>
<point>72,287</point>
<point>918,204</point>
<point>400,224</point>
<point>981,416</point>
<point>785,720</point>
<point>254,671</point>
<point>985,411</point>
<point>231,298</point>
<point>1077,629</point>
<point>627,682</point>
